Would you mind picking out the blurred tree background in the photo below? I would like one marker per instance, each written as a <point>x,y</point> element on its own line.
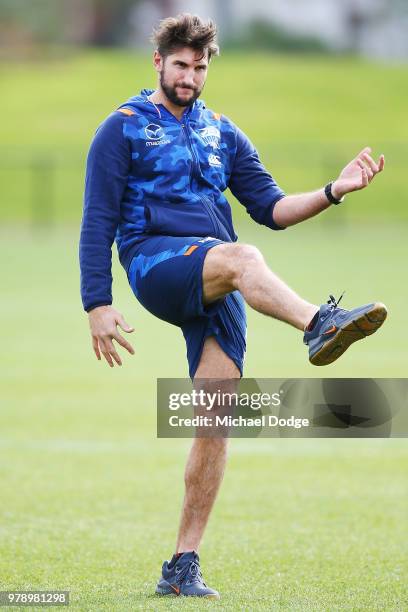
<point>319,88</point>
<point>90,22</point>
<point>348,25</point>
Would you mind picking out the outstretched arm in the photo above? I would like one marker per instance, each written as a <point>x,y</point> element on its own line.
<point>357,175</point>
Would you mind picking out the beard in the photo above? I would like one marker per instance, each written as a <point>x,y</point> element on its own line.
<point>171,92</point>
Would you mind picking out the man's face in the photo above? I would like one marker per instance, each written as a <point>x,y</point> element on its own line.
<point>182,75</point>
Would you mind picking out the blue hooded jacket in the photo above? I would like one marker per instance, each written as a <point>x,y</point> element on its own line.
<point>149,173</point>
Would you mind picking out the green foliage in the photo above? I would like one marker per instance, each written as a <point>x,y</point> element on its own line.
<point>262,35</point>
<point>40,17</point>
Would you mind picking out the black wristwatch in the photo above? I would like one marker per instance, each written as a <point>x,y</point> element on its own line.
<point>330,196</point>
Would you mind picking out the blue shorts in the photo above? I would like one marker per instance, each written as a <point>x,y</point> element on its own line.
<point>166,276</point>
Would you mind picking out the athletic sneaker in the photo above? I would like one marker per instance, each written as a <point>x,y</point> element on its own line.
<point>333,329</point>
<point>182,576</point>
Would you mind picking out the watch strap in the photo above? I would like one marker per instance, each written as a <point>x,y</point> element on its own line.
<point>330,196</point>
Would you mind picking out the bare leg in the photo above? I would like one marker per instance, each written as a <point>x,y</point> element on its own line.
<point>207,459</point>
<point>228,267</point>
<point>240,266</point>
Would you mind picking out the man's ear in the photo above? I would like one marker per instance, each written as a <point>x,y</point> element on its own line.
<point>157,61</point>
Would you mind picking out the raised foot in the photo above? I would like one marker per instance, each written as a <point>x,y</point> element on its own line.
<point>363,325</point>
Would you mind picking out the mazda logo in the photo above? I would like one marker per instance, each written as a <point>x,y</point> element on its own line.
<point>154,132</point>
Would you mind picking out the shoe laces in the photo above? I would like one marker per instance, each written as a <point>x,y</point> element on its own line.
<point>333,303</point>
<point>193,569</point>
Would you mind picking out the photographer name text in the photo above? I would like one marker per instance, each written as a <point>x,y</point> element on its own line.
<point>269,420</point>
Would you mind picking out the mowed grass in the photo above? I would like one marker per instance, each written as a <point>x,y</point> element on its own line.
<point>307,116</point>
<point>90,497</point>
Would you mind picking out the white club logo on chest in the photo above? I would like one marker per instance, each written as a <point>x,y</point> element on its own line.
<point>211,136</point>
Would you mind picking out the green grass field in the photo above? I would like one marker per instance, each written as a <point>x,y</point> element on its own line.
<point>90,497</point>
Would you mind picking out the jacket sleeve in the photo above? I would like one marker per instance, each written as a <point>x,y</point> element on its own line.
<point>252,185</point>
<point>107,173</point>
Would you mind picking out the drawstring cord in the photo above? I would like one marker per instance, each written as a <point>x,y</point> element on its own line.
<point>158,109</point>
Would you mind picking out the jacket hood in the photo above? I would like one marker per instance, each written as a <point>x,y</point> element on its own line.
<point>142,104</point>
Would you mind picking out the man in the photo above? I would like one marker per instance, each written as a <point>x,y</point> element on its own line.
<point>157,171</point>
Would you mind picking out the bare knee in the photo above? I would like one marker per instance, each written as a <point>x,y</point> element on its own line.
<point>224,265</point>
<point>247,258</point>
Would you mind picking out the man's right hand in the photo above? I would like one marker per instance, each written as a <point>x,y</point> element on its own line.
<point>103,321</point>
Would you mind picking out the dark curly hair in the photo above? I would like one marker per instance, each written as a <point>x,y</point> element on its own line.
<point>186,30</point>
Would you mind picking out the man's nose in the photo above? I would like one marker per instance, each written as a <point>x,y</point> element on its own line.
<point>189,78</point>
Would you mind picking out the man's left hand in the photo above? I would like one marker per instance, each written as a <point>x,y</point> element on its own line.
<point>358,174</point>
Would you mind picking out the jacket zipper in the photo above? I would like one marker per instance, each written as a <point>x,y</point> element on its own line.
<point>184,129</point>
<point>211,214</point>
<point>214,220</point>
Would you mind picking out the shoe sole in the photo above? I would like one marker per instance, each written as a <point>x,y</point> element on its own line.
<point>163,593</point>
<point>175,595</point>
<point>362,326</point>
